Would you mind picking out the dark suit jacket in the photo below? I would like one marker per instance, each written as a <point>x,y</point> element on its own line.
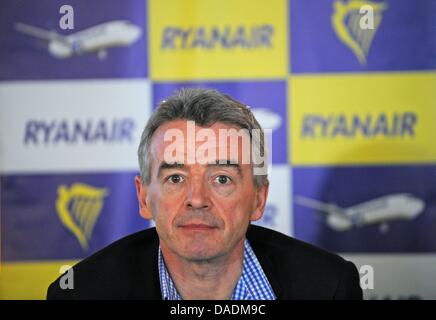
<point>128,269</point>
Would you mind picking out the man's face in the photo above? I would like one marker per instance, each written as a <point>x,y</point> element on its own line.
<point>201,209</point>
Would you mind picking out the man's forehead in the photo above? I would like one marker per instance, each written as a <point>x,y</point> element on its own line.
<point>168,133</point>
<point>184,125</point>
<point>183,139</point>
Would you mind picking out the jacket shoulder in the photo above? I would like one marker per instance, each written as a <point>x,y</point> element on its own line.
<point>301,270</point>
<point>115,272</point>
<point>290,248</point>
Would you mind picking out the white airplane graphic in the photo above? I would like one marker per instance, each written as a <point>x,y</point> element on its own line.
<point>94,39</point>
<point>399,206</point>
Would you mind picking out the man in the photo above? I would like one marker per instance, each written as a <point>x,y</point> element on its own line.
<point>202,194</point>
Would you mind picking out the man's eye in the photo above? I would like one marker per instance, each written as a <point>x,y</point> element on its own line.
<point>221,179</point>
<point>175,178</point>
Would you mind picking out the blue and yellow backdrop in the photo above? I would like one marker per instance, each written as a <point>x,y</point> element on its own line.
<point>352,107</point>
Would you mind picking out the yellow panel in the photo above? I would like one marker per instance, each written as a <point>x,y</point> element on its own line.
<point>28,280</point>
<point>217,39</point>
<point>363,119</point>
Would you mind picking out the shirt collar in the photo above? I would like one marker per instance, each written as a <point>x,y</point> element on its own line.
<point>252,285</point>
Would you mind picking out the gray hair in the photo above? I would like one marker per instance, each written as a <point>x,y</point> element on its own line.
<point>205,107</point>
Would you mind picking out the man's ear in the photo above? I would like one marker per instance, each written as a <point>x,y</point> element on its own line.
<point>141,193</point>
<point>260,201</point>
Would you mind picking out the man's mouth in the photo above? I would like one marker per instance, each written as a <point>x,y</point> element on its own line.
<point>197,227</point>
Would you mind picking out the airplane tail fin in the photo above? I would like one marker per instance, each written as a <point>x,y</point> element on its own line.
<point>38,32</point>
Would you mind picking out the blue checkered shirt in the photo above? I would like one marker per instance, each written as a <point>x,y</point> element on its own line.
<point>252,285</point>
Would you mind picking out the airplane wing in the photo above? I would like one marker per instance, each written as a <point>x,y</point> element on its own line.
<point>39,33</point>
<point>335,216</point>
<point>317,205</point>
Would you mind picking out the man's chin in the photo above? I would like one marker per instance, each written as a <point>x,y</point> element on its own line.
<point>200,254</point>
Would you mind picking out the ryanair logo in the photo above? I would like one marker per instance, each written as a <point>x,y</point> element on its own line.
<point>356,23</point>
<point>390,121</point>
<point>216,41</point>
<point>368,126</point>
<point>45,132</point>
<point>79,208</point>
<point>228,37</point>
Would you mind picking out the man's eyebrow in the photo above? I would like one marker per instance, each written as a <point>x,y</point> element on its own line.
<point>227,163</point>
<point>165,166</point>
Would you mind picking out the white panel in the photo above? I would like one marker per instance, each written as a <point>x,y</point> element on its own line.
<point>399,276</point>
<point>74,125</point>
<point>278,213</point>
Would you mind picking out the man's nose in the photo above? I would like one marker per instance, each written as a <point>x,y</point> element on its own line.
<point>197,196</point>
